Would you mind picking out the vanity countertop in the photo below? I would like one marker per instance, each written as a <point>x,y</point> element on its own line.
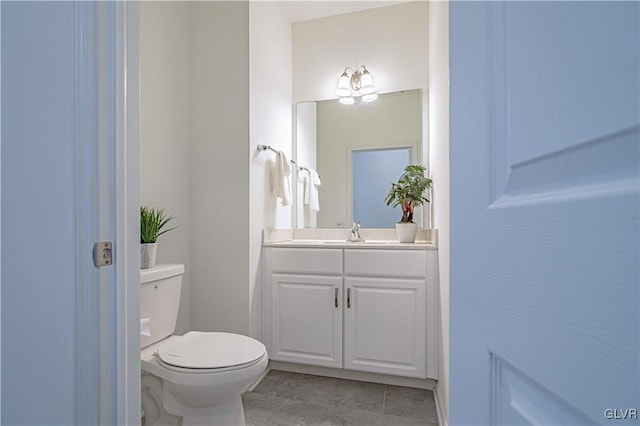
<point>383,239</point>
<point>370,244</point>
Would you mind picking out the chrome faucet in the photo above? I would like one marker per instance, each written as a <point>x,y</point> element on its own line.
<point>354,236</point>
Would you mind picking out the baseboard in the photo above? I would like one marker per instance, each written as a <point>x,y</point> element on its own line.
<point>353,375</point>
<point>442,417</point>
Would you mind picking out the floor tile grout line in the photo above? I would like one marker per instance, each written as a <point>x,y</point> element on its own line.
<point>283,382</point>
<point>384,398</point>
<point>279,386</point>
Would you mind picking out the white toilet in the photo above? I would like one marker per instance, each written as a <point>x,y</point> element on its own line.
<point>195,379</point>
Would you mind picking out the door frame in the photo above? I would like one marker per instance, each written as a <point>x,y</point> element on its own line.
<point>106,149</point>
<point>128,210</point>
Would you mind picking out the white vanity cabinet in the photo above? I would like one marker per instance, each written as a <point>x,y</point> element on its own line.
<point>306,306</point>
<point>385,324</point>
<point>370,310</point>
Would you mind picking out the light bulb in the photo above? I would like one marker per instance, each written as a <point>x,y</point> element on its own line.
<point>369,97</point>
<point>348,100</point>
<point>367,83</point>
<point>343,85</point>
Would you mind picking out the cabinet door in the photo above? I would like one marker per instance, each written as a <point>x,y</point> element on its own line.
<point>306,319</point>
<point>385,325</point>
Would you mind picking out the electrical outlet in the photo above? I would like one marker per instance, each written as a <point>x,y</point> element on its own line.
<point>341,225</point>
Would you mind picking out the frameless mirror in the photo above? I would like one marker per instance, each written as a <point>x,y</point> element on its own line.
<point>358,151</point>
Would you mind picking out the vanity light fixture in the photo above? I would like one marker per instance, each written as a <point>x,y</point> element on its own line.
<point>356,83</point>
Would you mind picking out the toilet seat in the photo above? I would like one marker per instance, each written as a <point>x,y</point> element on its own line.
<point>210,351</point>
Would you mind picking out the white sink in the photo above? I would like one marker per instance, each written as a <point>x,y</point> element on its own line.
<point>343,242</point>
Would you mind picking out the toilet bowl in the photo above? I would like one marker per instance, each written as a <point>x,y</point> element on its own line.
<point>203,376</point>
<point>197,378</point>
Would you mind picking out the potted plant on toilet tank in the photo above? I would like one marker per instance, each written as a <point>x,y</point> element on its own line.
<point>408,192</point>
<point>152,224</point>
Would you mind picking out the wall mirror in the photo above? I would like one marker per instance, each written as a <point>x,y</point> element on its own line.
<point>358,150</point>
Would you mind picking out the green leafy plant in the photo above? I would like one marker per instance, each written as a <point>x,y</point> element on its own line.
<point>152,222</point>
<point>408,191</point>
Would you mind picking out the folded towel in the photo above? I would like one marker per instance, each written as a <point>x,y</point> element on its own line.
<point>312,182</point>
<point>282,179</point>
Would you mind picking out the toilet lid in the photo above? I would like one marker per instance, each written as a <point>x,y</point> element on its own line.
<point>211,350</point>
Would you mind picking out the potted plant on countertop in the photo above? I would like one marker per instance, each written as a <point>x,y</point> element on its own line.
<point>408,193</point>
<point>152,222</point>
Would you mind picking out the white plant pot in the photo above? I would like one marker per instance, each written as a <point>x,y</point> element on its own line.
<point>406,232</point>
<point>148,255</point>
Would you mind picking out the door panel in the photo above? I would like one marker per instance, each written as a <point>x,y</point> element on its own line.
<point>519,400</point>
<point>564,79</point>
<point>544,176</point>
<point>554,123</point>
<point>303,303</point>
<point>385,326</point>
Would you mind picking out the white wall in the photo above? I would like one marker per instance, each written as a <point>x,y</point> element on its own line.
<point>165,131</point>
<point>270,124</point>
<point>219,166</point>
<point>194,152</point>
<point>38,210</point>
<point>390,41</point>
<point>199,156</point>
<point>439,145</point>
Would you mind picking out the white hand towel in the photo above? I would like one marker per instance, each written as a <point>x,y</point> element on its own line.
<point>312,182</point>
<point>302,176</point>
<point>282,179</point>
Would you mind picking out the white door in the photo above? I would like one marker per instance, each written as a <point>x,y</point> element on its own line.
<point>544,213</point>
<point>69,164</point>
<point>306,319</point>
<point>385,326</point>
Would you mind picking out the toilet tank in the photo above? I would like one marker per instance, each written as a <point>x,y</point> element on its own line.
<point>159,301</point>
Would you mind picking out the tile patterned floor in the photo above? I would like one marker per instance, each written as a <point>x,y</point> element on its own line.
<point>284,398</point>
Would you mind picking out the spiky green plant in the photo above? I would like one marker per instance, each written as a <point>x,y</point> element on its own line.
<point>408,191</point>
<point>152,222</point>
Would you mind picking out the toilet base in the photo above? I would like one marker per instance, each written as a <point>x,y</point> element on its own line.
<point>230,413</point>
<point>153,411</point>
<point>161,409</point>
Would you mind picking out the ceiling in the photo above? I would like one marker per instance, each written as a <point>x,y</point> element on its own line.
<point>305,10</point>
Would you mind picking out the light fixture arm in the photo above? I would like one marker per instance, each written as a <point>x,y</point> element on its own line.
<point>356,81</point>
<point>355,76</point>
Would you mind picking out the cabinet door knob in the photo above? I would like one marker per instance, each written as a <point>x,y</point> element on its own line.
<point>348,298</point>
<point>335,298</point>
